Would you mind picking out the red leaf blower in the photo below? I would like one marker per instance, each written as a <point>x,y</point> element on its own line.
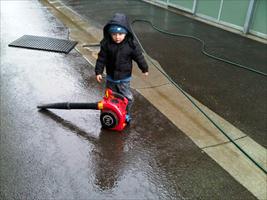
<point>112,107</point>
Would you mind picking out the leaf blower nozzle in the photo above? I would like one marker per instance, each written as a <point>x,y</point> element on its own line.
<point>68,106</point>
<point>112,106</point>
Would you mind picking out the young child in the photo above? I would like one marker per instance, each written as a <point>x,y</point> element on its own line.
<point>118,49</point>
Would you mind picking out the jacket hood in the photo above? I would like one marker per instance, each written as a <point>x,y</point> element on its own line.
<point>121,20</point>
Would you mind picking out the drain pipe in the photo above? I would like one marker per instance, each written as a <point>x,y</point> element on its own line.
<point>249,16</point>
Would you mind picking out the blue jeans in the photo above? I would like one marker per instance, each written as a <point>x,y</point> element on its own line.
<point>123,88</point>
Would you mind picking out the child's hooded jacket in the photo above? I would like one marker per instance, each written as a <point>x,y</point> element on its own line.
<point>118,57</point>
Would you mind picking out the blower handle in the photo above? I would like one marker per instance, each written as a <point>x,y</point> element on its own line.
<point>114,94</point>
<point>117,95</point>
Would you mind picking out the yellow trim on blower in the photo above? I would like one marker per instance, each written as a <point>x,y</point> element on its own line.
<point>100,105</point>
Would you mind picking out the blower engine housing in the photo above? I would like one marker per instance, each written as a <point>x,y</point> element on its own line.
<point>113,111</point>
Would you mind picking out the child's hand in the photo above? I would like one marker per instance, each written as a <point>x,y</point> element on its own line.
<point>99,78</point>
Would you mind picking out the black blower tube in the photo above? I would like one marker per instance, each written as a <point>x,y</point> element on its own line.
<point>68,106</point>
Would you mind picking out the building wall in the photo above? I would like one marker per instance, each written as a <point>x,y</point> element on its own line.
<point>247,16</point>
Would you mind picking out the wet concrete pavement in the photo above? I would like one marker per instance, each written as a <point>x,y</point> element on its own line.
<point>236,94</point>
<point>65,154</point>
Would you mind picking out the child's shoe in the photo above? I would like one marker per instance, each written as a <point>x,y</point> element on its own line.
<point>128,118</point>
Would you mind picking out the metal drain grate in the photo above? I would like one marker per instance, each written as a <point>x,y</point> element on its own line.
<point>44,43</point>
